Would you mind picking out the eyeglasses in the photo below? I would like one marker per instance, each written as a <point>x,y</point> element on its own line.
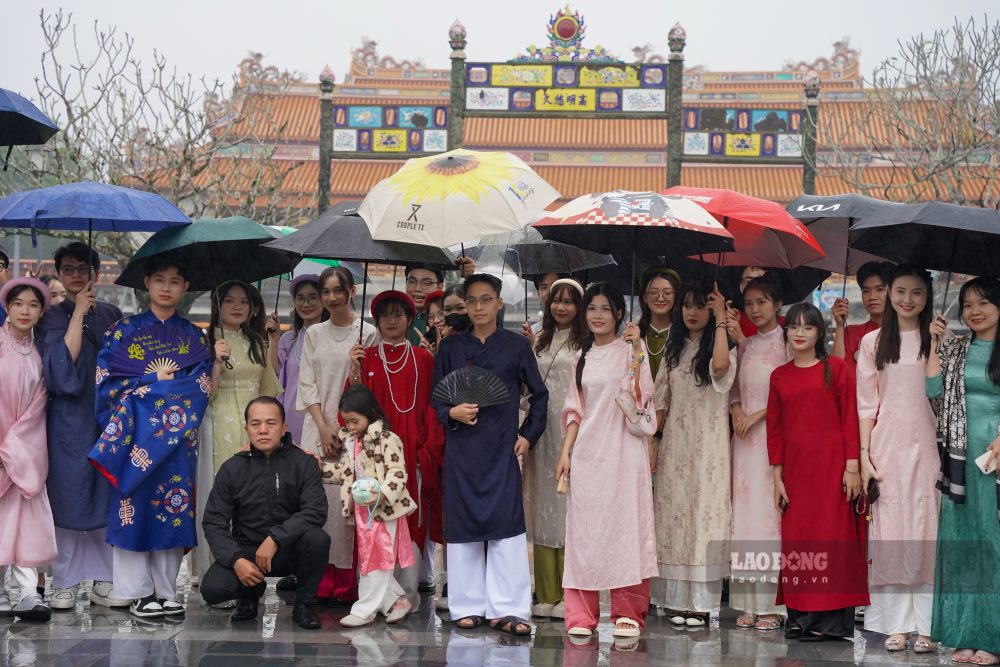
<point>4,266</point>
<point>75,270</point>
<point>484,301</point>
<point>435,317</point>
<point>655,294</point>
<point>302,299</point>
<point>426,283</point>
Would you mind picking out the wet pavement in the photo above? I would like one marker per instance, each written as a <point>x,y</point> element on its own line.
<point>90,635</point>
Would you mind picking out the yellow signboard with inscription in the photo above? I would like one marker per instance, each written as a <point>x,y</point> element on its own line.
<point>743,145</point>
<point>389,141</point>
<point>565,99</point>
<point>621,76</point>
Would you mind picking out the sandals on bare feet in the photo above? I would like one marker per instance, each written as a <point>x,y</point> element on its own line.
<point>896,643</point>
<point>512,625</point>
<point>470,622</point>
<point>963,655</point>
<point>746,620</point>
<point>769,623</point>
<point>924,646</point>
<point>626,627</point>
<point>984,658</point>
<point>399,610</point>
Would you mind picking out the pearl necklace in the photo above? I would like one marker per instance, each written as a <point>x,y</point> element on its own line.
<point>649,348</point>
<point>408,354</point>
<point>334,327</point>
<point>17,345</point>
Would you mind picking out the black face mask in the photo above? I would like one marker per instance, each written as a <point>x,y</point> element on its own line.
<point>458,321</point>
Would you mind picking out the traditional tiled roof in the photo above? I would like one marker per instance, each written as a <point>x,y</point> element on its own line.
<point>352,179</point>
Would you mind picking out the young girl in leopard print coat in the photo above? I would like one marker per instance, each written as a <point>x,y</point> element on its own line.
<point>371,450</point>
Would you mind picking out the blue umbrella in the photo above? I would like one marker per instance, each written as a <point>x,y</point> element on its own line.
<point>89,206</point>
<point>21,123</point>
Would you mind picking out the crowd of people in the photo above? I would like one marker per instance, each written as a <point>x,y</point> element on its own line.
<point>656,459</point>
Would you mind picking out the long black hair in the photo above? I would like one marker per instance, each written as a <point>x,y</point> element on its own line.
<point>806,314</point>
<point>645,312</point>
<point>989,289</point>
<point>359,399</point>
<point>617,302</point>
<point>297,322</point>
<point>698,291</point>
<point>344,276</point>
<point>253,328</point>
<point>889,340</point>
<point>577,329</point>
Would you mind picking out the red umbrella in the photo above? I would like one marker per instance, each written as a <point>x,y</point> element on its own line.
<point>764,233</point>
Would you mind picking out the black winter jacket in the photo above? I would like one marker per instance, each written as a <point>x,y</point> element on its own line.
<point>255,496</point>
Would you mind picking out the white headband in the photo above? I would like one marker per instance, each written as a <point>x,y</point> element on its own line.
<point>567,281</point>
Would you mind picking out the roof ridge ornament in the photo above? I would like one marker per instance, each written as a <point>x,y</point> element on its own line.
<point>566,31</point>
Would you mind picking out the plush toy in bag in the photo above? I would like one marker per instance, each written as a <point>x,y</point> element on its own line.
<point>364,490</point>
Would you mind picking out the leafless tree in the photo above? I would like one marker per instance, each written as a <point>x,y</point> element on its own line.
<point>932,113</point>
<point>204,144</point>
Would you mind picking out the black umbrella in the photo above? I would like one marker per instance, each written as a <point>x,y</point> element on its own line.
<point>935,235</point>
<point>212,251</point>
<point>832,220</point>
<point>796,284</point>
<point>334,235</point>
<point>22,123</point>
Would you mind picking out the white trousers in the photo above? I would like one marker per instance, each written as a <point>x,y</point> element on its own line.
<point>139,574</point>
<point>427,563</point>
<point>754,597</point>
<point>898,608</point>
<point>409,579</point>
<point>679,595</point>
<point>82,554</point>
<point>490,579</point>
<point>378,590</point>
<point>25,578</point>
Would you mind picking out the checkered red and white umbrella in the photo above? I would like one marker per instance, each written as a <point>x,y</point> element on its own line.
<point>646,224</point>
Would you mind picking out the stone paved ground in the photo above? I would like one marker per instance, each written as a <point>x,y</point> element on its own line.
<point>92,635</point>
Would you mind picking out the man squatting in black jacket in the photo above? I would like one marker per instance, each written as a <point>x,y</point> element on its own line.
<point>265,517</point>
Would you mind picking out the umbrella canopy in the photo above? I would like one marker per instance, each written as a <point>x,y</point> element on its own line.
<point>764,234</point>
<point>22,123</point>
<point>317,265</point>
<point>91,207</point>
<point>528,254</point>
<point>796,284</point>
<point>831,220</point>
<point>455,197</point>
<point>621,223</point>
<point>935,235</point>
<point>212,251</point>
<point>346,237</point>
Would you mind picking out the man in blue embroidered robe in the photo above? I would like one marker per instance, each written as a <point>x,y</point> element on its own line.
<point>152,392</point>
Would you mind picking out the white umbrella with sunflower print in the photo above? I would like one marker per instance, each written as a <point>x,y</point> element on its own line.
<point>455,197</point>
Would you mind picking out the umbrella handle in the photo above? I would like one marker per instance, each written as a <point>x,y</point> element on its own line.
<point>364,297</point>
<point>278,295</point>
<point>222,330</point>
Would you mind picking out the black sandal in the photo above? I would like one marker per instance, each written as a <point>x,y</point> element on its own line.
<point>509,625</point>
<point>793,631</point>
<point>476,622</point>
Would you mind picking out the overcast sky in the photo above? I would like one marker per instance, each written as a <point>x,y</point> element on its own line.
<point>209,37</point>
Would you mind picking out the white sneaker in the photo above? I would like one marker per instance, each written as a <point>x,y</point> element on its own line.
<point>103,595</point>
<point>146,608</point>
<point>170,607</point>
<point>352,621</point>
<point>32,608</point>
<point>63,598</point>
<point>678,619</point>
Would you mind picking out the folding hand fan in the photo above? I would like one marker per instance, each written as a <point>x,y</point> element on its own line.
<point>471,385</point>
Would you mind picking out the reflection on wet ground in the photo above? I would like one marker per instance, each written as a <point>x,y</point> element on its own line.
<point>93,635</point>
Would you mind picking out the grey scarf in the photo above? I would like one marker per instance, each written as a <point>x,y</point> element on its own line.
<point>952,438</point>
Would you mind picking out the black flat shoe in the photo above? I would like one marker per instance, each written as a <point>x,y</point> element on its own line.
<point>286,584</point>
<point>426,588</point>
<point>305,617</point>
<point>811,637</point>
<point>246,610</point>
<point>793,632</point>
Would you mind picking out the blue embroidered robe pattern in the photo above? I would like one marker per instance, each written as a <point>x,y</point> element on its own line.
<point>148,450</point>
